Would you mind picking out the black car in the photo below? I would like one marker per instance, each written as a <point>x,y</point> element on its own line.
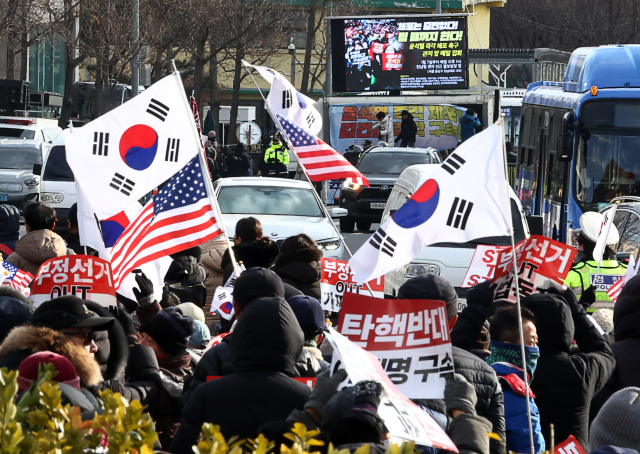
<point>381,167</point>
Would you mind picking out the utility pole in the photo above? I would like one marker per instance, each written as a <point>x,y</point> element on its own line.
<point>438,6</point>
<point>135,35</point>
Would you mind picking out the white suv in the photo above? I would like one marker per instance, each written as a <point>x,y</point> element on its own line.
<point>19,186</point>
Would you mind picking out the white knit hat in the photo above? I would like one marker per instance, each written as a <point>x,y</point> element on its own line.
<point>191,310</point>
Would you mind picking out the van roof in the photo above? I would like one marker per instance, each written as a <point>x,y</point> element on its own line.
<point>59,140</point>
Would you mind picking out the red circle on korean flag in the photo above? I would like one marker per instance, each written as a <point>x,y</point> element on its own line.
<point>138,146</point>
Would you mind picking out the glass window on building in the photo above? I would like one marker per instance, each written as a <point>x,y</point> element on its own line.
<point>47,65</point>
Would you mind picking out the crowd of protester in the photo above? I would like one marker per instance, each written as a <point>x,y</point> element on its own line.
<point>581,382</point>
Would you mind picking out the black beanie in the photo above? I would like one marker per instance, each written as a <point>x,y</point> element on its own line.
<point>431,287</point>
<point>170,329</point>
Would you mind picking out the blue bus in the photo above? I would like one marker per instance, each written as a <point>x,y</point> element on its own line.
<point>580,139</point>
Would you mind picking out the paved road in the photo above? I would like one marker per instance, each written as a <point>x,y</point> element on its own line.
<point>356,239</point>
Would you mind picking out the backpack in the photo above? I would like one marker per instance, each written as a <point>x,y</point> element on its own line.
<point>189,292</point>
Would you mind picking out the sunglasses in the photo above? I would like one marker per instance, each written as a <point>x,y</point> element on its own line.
<point>86,337</point>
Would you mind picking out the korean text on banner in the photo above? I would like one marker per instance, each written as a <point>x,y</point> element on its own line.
<point>570,446</point>
<point>337,279</point>
<point>539,259</point>
<point>483,265</point>
<point>403,418</point>
<point>83,276</point>
<point>409,337</point>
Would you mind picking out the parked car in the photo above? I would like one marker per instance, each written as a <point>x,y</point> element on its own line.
<point>449,260</point>
<point>57,183</point>
<point>41,129</point>
<point>382,167</point>
<point>284,208</point>
<point>19,186</point>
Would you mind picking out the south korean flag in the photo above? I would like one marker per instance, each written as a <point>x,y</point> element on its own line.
<point>124,154</point>
<point>466,198</point>
<point>287,102</point>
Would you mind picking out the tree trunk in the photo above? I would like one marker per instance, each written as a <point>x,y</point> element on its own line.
<point>198,70</point>
<point>214,99</point>
<point>156,72</point>
<point>97,101</point>
<point>24,56</point>
<point>11,55</point>
<point>170,54</point>
<point>235,98</point>
<point>67,102</point>
<point>311,29</point>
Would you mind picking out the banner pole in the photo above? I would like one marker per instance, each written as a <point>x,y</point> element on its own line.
<point>304,170</point>
<point>517,285</point>
<point>207,179</point>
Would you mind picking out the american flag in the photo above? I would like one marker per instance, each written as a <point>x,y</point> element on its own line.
<point>196,115</point>
<point>320,160</point>
<point>632,270</point>
<point>15,277</point>
<point>178,217</point>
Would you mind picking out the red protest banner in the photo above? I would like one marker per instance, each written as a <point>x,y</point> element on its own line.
<point>570,446</point>
<point>539,259</point>
<point>337,278</point>
<point>392,61</point>
<point>409,337</point>
<point>84,276</point>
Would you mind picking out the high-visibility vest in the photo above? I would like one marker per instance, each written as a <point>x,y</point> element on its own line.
<point>277,152</point>
<point>583,275</point>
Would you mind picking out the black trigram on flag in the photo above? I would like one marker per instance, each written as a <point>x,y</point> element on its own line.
<point>459,214</point>
<point>222,296</point>
<point>173,147</point>
<point>287,99</point>
<point>158,110</point>
<point>122,184</point>
<point>311,119</point>
<point>383,242</point>
<point>101,143</point>
<point>453,163</point>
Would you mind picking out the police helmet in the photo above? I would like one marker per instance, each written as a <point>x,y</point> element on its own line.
<point>591,224</point>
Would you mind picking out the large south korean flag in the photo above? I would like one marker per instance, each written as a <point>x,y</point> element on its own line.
<point>466,198</point>
<point>124,154</point>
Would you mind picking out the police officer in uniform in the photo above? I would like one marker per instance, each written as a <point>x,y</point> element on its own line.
<point>583,274</point>
<point>276,159</point>
<point>353,153</point>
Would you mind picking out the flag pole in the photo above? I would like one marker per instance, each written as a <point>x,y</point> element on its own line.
<point>286,137</point>
<point>207,179</point>
<point>517,285</point>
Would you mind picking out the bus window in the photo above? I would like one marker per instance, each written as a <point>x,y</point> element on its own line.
<point>530,157</point>
<point>630,239</point>
<point>550,174</point>
<point>523,155</point>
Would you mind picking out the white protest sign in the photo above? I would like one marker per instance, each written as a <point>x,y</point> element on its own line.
<point>483,265</point>
<point>337,278</point>
<point>403,418</point>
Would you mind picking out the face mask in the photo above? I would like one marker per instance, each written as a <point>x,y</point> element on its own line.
<point>510,353</point>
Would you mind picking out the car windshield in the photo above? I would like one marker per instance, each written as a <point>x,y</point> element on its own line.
<point>391,163</point>
<point>57,168</point>
<point>272,200</point>
<point>17,133</point>
<point>19,157</point>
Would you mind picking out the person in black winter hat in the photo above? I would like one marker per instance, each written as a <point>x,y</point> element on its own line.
<point>626,348</point>
<point>13,313</point>
<point>311,318</point>
<point>168,333</point>
<point>300,264</point>
<point>490,403</point>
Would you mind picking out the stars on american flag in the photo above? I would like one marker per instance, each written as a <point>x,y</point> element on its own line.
<point>298,136</point>
<point>191,182</point>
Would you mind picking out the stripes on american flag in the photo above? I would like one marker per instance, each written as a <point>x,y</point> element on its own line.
<point>320,160</point>
<point>16,278</point>
<point>178,217</point>
<point>616,288</point>
<point>196,115</point>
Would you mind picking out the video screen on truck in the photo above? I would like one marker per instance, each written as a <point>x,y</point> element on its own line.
<point>404,53</point>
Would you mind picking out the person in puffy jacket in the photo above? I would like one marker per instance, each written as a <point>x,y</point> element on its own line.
<point>167,334</point>
<point>468,124</point>
<point>490,403</point>
<point>9,230</point>
<point>212,253</point>
<point>251,247</point>
<point>626,348</point>
<point>300,264</point>
<point>267,341</point>
<point>565,382</point>
<point>40,243</point>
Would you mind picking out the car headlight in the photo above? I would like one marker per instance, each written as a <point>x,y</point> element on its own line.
<point>350,185</point>
<point>51,197</point>
<point>418,269</point>
<point>329,245</point>
<point>32,182</point>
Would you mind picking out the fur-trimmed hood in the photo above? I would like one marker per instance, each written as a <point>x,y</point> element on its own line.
<point>300,268</point>
<point>38,339</point>
<point>311,254</point>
